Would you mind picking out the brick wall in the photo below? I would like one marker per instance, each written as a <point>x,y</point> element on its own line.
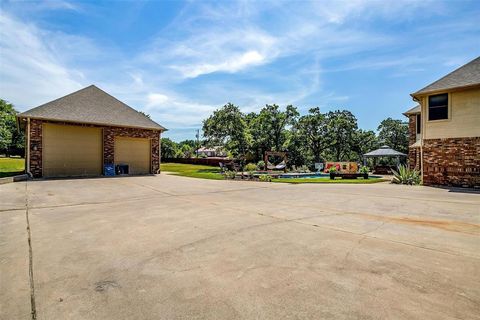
<point>36,134</point>
<point>109,134</point>
<point>452,162</point>
<point>202,161</point>
<point>414,158</point>
<point>413,153</point>
<point>412,129</point>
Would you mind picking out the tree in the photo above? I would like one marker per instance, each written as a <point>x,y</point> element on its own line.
<point>341,128</point>
<point>228,127</point>
<point>313,129</point>
<point>145,114</point>
<point>11,139</point>
<point>364,141</point>
<point>394,133</point>
<point>169,148</point>
<point>187,148</point>
<point>270,126</point>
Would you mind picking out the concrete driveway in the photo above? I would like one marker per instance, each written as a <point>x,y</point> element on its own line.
<point>169,247</point>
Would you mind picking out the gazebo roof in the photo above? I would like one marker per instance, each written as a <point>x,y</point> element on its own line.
<point>384,151</point>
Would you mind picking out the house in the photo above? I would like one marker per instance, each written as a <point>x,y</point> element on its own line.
<point>444,129</point>
<point>216,151</point>
<point>87,132</point>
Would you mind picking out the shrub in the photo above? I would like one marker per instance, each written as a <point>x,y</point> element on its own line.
<point>364,170</point>
<point>265,178</point>
<point>261,165</point>
<point>332,169</point>
<point>303,169</point>
<point>230,174</point>
<point>405,175</point>
<point>250,168</point>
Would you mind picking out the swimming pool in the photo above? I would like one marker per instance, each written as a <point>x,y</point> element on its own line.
<point>311,175</point>
<point>303,175</point>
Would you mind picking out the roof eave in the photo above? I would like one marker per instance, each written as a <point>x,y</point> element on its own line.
<point>419,94</point>
<point>23,116</point>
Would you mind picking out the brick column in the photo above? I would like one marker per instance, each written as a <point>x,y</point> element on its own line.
<point>36,134</point>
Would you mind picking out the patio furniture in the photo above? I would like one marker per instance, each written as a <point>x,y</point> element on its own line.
<point>279,166</point>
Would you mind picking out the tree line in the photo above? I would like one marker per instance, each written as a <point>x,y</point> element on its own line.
<point>308,138</point>
<point>11,139</point>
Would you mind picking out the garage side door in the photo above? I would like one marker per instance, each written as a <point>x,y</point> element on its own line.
<point>71,151</point>
<point>135,152</point>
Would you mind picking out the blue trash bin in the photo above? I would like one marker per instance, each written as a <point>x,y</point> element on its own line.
<point>109,170</point>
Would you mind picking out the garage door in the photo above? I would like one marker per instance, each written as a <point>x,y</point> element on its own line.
<point>135,152</point>
<point>71,151</point>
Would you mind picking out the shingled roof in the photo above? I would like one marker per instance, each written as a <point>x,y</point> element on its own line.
<point>91,105</point>
<point>414,110</point>
<point>465,76</point>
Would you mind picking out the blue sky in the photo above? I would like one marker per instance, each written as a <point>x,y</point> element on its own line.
<point>179,61</point>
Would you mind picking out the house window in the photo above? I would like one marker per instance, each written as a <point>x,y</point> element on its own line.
<point>438,107</point>
<point>419,123</point>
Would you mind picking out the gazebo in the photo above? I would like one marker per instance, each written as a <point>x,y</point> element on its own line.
<point>383,152</point>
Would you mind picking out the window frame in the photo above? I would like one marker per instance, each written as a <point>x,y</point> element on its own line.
<point>447,106</point>
<point>418,123</point>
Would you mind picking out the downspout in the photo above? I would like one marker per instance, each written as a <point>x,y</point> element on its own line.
<point>422,128</point>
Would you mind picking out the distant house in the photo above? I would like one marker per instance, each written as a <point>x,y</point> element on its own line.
<point>210,152</point>
<point>83,132</point>
<point>444,129</point>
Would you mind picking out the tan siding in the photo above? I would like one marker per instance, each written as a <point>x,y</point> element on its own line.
<point>464,117</point>
<point>135,152</point>
<point>71,150</point>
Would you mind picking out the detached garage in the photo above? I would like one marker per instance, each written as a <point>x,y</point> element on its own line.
<point>89,133</point>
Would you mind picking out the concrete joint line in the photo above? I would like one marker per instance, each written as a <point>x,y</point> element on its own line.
<point>30,259</point>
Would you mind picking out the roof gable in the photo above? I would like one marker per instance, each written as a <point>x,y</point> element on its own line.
<point>92,105</point>
<point>465,76</point>
<point>414,110</point>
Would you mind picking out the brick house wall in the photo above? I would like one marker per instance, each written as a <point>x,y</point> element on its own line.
<point>36,147</point>
<point>452,162</point>
<point>109,134</point>
<point>413,152</point>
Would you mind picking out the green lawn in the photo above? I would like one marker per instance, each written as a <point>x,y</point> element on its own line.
<point>11,166</point>
<point>209,172</point>
<point>193,170</point>
<point>327,180</point>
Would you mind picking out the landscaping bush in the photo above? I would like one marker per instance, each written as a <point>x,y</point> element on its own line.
<point>303,169</point>
<point>332,169</point>
<point>405,175</point>
<point>230,174</point>
<point>250,168</point>
<point>265,178</point>
<point>364,170</point>
<point>261,165</point>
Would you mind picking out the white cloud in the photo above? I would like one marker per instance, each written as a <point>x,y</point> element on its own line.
<point>262,52</point>
<point>30,70</point>
<point>211,50</point>
<point>229,64</point>
<point>156,99</point>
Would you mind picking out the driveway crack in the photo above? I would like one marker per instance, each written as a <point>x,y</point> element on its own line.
<point>30,258</point>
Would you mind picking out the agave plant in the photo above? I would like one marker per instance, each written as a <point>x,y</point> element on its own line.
<point>405,175</point>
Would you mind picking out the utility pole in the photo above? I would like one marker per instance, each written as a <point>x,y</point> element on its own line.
<point>198,141</point>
